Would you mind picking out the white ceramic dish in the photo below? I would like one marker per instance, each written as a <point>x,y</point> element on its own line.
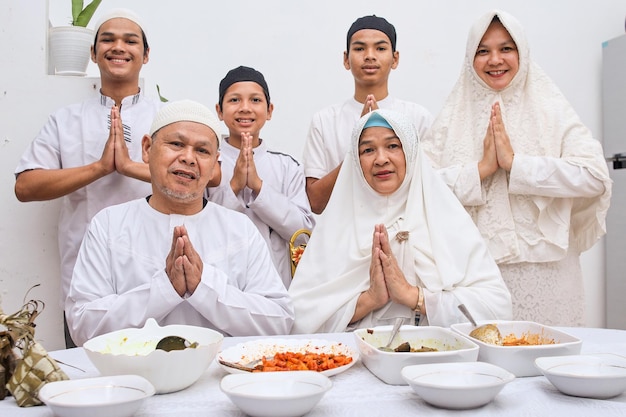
<point>167,371</point>
<point>387,365</point>
<point>457,386</point>
<point>244,353</point>
<point>276,394</point>
<point>520,360</point>
<point>591,376</point>
<point>119,396</point>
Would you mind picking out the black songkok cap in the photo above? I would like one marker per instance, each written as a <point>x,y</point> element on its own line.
<point>373,22</point>
<point>240,74</point>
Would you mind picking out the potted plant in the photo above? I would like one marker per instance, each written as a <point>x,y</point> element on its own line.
<point>69,46</point>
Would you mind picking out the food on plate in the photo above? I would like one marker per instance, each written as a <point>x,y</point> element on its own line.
<point>489,333</point>
<point>406,347</point>
<point>140,347</point>
<point>298,361</point>
<point>527,339</point>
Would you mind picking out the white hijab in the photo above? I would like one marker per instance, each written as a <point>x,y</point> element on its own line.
<point>540,122</point>
<point>444,251</point>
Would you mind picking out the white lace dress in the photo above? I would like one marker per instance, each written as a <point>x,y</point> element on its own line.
<point>547,292</point>
<point>551,206</point>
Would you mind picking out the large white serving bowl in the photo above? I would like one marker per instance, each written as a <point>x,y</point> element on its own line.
<point>132,351</point>
<point>457,385</point>
<point>119,396</point>
<point>592,376</point>
<point>276,394</point>
<point>520,360</point>
<point>387,366</point>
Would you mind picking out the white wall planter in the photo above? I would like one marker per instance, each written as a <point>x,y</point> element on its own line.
<point>69,49</point>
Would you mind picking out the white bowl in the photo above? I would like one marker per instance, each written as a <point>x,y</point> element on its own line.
<point>119,396</point>
<point>387,366</point>
<point>457,385</point>
<point>520,360</point>
<point>131,351</point>
<point>592,376</point>
<point>276,394</point>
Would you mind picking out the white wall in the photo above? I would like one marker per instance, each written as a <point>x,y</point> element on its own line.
<point>298,46</point>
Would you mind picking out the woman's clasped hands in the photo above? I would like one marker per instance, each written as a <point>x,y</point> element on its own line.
<point>497,149</point>
<point>387,281</point>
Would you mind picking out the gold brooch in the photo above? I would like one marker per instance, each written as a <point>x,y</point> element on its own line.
<point>402,236</point>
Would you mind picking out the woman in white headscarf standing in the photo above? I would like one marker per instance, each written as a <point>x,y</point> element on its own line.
<point>393,242</point>
<point>530,174</point>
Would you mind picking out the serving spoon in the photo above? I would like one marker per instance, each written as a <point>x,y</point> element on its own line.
<point>467,314</point>
<point>169,343</point>
<point>394,331</point>
<point>488,333</point>
<point>249,367</point>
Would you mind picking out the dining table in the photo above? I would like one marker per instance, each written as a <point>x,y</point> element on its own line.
<point>357,392</point>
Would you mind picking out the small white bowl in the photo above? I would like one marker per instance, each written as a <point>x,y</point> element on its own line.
<point>119,396</point>
<point>520,360</point>
<point>132,351</point>
<point>601,375</point>
<point>457,386</point>
<point>276,394</point>
<point>451,347</point>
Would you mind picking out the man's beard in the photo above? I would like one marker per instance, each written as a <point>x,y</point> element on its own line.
<point>178,196</point>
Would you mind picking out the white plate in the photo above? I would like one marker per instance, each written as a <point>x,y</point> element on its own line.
<point>119,396</point>
<point>592,376</point>
<point>249,351</point>
<point>460,385</point>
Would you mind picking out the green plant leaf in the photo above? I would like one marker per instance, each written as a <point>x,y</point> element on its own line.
<point>84,15</point>
<point>163,99</point>
<point>77,7</point>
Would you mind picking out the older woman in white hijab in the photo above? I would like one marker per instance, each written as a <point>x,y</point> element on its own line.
<point>527,170</point>
<point>393,241</point>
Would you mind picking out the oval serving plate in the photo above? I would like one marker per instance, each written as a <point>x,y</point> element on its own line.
<point>247,352</point>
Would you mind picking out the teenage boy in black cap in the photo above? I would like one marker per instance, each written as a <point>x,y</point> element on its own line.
<point>267,186</point>
<point>370,55</point>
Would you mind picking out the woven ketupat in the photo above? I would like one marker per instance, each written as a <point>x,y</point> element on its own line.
<point>32,372</point>
<point>8,360</point>
<point>36,367</point>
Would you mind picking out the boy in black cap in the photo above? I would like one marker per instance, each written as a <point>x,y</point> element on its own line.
<point>370,55</point>
<point>267,186</point>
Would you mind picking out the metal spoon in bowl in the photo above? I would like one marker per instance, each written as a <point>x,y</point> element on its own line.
<point>467,314</point>
<point>488,333</point>
<point>169,343</point>
<point>394,331</point>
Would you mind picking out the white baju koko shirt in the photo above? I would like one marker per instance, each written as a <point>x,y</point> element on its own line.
<point>120,280</point>
<point>75,136</point>
<point>279,210</point>
<point>328,140</point>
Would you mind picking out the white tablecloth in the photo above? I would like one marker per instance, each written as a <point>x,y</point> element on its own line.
<point>357,392</point>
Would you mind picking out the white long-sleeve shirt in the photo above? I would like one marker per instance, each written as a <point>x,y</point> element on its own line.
<point>328,140</point>
<point>119,280</point>
<point>279,210</point>
<point>74,136</point>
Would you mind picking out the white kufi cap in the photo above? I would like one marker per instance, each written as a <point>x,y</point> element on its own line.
<point>121,13</point>
<point>185,111</point>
